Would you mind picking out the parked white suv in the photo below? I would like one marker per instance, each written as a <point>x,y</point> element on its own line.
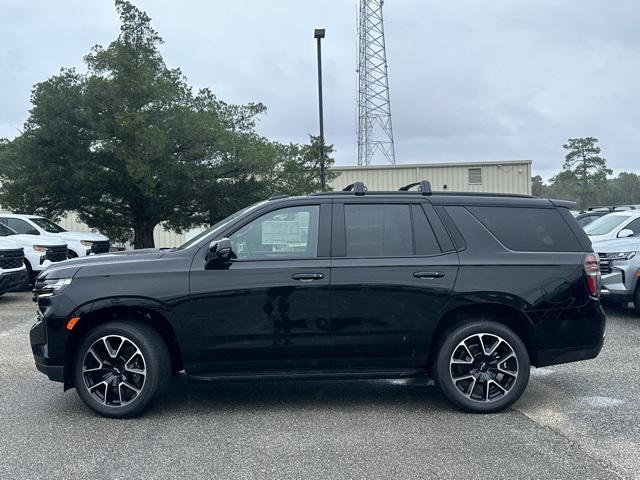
<point>80,244</point>
<point>13,273</point>
<point>614,225</point>
<point>40,251</point>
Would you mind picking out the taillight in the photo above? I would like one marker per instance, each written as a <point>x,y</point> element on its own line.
<point>592,270</point>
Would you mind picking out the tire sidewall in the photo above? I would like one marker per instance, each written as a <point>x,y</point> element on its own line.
<point>443,358</point>
<point>147,340</point>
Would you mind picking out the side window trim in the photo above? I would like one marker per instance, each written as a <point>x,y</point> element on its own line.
<point>439,229</point>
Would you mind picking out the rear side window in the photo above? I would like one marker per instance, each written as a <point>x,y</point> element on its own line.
<point>378,230</point>
<point>528,229</point>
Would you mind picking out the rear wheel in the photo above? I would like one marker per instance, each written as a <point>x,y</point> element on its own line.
<point>119,367</point>
<point>482,367</point>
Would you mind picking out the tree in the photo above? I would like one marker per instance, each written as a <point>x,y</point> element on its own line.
<point>538,188</point>
<point>129,145</point>
<point>590,169</point>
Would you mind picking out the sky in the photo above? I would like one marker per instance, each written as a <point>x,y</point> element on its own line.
<point>469,80</point>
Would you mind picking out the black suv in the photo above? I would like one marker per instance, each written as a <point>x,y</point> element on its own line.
<point>470,289</point>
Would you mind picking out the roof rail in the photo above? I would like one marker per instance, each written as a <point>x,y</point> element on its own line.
<point>424,187</point>
<point>278,196</point>
<point>358,188</point>
<point>612,208</point>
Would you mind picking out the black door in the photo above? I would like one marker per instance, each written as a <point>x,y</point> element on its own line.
<point>270,308</point>
<point>391,276</point>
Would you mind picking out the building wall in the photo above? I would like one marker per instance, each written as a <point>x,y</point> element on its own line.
<point>513,176</point>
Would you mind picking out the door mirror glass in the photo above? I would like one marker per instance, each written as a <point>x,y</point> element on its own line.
<point>625,232</point>
<point>220,254</point>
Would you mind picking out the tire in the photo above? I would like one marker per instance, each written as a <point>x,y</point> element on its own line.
<point>636,299</point>
<point>119,368</point>
<point>483,380</point>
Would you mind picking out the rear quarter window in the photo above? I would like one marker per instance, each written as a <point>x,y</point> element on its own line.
<point>528,229</point>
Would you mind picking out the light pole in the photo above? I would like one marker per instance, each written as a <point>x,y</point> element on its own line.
<point>318,34</point>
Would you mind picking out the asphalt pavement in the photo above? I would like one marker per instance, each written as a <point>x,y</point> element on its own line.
<point>574,421</point>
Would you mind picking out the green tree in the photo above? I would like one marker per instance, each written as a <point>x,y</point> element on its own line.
<point>538,188</point>
<point>129,145</point>
<point>589,168</point>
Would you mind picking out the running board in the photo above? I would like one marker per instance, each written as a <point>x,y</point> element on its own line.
<point>270,375</point>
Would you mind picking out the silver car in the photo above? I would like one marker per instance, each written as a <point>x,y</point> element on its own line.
<point>620,269</point>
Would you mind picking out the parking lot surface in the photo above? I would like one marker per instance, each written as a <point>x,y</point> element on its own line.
<point>574,421</point>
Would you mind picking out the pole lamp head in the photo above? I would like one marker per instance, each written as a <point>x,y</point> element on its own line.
<point>318,33</point>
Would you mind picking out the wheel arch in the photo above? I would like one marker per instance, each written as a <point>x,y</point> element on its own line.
<point>502,313</point>
<point>100,312</point>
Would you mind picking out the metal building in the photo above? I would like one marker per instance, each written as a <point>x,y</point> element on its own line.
<point>510,176</point>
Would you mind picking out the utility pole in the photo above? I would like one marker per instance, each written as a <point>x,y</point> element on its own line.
<point>375,133</point>
<point>318,34</point>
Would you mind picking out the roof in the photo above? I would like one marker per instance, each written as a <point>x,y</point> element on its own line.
<point>491,163</point>
<point>19,215</point>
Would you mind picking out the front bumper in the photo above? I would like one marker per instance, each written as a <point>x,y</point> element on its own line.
<point>620,284</point>
<point>39,346</point>
<point>13,280</point>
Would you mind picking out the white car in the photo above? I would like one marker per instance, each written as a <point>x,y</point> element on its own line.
<point>39,251</point>
<point>13,273</point>
<point>614,225</point>
<point>80,244</point>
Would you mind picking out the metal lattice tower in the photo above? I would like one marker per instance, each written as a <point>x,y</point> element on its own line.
<point>375,134</point>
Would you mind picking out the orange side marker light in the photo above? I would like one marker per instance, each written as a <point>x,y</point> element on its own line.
<point>72,322</point>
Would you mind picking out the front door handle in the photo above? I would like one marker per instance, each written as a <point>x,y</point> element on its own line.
<point>307,277</point>
<point>428,274</point>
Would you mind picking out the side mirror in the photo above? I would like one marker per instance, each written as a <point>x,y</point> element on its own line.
<point>625,233</point>
<point>220,254</point>
<point>32,231</point>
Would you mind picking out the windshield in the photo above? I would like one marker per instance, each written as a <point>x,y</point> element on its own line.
<point>47,225</point>
<point>6,231</point>
<point>604,225</point>
<point>220,224</point>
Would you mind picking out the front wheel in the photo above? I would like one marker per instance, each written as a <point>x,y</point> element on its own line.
<point>636,299</point>
<point>119,367</point>
<point>482,367</point>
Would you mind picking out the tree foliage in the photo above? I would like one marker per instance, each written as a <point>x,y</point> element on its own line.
<point>585,179</point>
<point>129,145</point>
<point>583,160</point>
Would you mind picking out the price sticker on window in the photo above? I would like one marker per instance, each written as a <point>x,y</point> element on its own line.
<point>281,232</point>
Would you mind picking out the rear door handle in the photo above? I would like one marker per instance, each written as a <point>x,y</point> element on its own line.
<point>307,277</point>
<point>428,274</point>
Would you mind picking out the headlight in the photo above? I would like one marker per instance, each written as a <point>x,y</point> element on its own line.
<point>621,255</point>
<point>52,286</point>
<point>86,243</point>
<point>39,248</point>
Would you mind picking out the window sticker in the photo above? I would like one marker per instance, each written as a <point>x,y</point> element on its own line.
<point>276,232</point>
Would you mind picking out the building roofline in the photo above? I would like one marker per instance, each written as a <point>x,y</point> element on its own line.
<point>428,165</point>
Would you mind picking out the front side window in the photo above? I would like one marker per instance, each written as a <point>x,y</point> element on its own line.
<point>47,225</point>
<point>378,230</point>
<point>286,233</point>
<point>634,227</point>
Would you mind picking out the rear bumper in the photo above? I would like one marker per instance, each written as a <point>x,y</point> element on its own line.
<point>567,355</point>
<point>568,335</point>
<point>50,367</point>
<point>10,281</point>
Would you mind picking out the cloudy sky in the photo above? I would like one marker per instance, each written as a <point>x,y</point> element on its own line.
<point>470,80</point>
